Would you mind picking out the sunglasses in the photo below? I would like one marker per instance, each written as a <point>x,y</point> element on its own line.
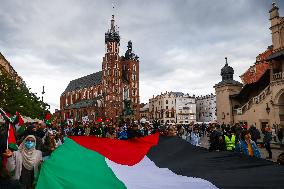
<point>30,140</point>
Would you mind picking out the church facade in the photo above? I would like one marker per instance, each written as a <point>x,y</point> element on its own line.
<point>112,93</point>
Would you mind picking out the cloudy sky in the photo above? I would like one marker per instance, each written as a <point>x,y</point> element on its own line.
<point>181,44</point>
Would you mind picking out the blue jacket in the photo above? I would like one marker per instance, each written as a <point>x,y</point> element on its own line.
<point>122,135</point>
<point>242,148</point>
<point>195,139</point>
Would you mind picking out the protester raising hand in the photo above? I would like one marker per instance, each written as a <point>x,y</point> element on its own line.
<point>25,162</point>
<point>8,153</point>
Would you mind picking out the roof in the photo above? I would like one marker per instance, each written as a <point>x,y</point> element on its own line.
<point>84,82</point>
<point>228,82</point>
<point>145,108</point>
<point>178,93</point>
<point>276,55</point>
<point>83,104</point>
<point>227,70</point>
<point>253,89</point>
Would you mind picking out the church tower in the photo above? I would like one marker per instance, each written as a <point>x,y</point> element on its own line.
<point>276,28</point>
<point>130,77</point>
<point>111,68</point>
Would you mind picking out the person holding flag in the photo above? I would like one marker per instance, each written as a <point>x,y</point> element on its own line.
<point>11,139</point>
<point>24,163</point>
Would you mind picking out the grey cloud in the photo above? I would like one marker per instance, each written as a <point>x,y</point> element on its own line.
<point>168,36</point>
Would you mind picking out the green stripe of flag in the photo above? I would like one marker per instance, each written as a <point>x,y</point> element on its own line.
<point>74,167</point>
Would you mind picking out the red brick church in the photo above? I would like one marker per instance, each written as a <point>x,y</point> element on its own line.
<point>112,93</point>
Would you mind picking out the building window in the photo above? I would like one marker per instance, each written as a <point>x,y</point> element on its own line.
<point>167,114</point>
<point>167,101</point>
<point>167,107</point>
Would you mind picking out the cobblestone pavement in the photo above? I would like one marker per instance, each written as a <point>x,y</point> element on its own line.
<point>264,154</point>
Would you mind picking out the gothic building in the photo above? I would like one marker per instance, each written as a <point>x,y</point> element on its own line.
<point>112,93</point>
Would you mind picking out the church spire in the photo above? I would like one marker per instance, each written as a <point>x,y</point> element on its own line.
<point>227,72</point>
<point>112,27</point>
<point>112,35</point>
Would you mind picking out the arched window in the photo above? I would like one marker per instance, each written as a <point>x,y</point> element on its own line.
<point>167,101</point>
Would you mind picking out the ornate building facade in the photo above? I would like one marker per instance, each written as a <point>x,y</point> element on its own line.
<point>259,101</point>
<point>112,93</point>
<point>144,111</point>
<point>206,108</point>
<point>7,69</point>
<point>172,108</point>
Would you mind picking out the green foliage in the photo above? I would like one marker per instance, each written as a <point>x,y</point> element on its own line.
<point>14,97</point>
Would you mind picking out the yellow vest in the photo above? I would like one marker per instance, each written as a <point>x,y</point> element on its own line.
<point>230,144</point>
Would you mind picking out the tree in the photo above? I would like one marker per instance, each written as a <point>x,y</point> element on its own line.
<point>17,97</point>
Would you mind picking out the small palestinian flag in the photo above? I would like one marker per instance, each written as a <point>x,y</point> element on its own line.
<point>19,123</point>
<point>152,162</point>
<point>11,139</point>
<point>99,120</point>
<point>47,119</point>
<point>6,116</point>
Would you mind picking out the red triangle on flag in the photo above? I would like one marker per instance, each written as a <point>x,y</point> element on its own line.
<point>11,135</point>
<point>20,119</point>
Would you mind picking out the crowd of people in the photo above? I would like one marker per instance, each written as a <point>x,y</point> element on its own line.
<point>237,138</point>
<point>21,163</point>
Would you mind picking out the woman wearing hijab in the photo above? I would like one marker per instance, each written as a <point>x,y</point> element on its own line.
<point>24,163</point>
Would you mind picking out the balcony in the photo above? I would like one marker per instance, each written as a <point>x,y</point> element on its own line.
<point>277,76</point>
<point>254,100</point>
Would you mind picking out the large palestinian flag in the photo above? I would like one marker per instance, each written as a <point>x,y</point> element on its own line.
<point>152,162</point>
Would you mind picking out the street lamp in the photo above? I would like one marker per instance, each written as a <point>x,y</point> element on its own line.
<point>43,92</point>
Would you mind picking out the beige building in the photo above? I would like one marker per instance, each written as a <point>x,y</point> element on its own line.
<point>260,102</point>
<point>172,108</point>
<point>206,108</point>
<point>144,111</point>
<point>7,69</point>
<point>185,109</point>
<point>159,105</point>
